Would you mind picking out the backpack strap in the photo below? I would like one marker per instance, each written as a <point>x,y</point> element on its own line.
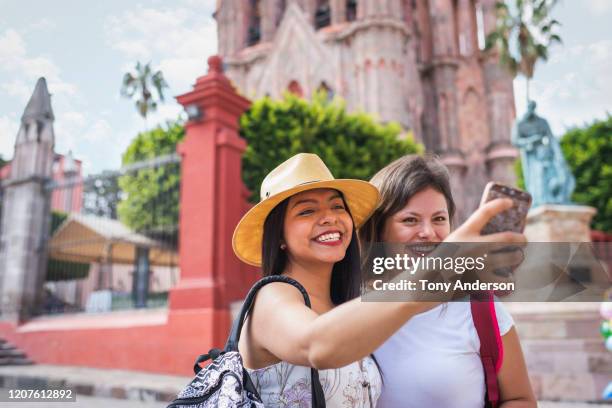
<point>491,346</point>
<point>318,397</point>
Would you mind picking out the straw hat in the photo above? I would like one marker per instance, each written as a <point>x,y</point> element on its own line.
<point>304,171</point>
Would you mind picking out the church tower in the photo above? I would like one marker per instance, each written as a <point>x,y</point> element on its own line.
<point>417,62</point>
<point>25,214</point>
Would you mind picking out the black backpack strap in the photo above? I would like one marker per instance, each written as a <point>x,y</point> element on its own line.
<point>318,397</point>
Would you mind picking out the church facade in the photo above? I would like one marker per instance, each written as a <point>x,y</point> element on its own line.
<point>417,62</point>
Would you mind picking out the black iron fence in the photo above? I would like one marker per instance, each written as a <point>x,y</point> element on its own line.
<point>113,241</point>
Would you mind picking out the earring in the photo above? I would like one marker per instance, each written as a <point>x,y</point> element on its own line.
<point>283,247</point>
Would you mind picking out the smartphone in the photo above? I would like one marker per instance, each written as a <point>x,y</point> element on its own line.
<point>512,219</point>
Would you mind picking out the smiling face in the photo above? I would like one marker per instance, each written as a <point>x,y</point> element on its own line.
<point>424,219</point>
<point>317,227</point>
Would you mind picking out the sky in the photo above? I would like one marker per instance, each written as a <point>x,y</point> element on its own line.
<point>83,48</point>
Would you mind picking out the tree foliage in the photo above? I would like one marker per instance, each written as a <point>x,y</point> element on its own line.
<point>588,150</point>
<point>101,195</point>
<point>151,197</point>
<point>352,145</point>
<point>141,85</point>
<point>523,35</point>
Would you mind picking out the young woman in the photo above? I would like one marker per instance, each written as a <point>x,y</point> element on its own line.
<point>433,359</point>
<point>304,228</point>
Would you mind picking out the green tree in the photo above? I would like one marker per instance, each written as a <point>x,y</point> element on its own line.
<point>151,197</point>
<point>588,150</point>
<point>101,195</point>
<point>140,84</point>
<point>523,35</point>
<point>352,145</point>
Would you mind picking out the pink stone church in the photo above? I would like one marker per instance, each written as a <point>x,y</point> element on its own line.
<point>416,62</point>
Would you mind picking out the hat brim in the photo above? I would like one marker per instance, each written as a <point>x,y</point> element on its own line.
<point>360,196</point>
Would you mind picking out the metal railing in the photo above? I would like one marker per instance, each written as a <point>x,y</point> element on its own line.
<point>113,242</point>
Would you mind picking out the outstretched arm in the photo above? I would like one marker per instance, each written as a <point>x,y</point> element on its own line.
<point>289,331</point>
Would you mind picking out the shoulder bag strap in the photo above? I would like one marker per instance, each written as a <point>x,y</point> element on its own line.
<point>318,397</point>
<point>491,347</point>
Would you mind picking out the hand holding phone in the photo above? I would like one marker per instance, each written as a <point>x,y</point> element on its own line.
<point>512,219</point>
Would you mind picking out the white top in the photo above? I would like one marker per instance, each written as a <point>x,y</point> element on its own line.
<point>283,385</point>
<point>433,360</point>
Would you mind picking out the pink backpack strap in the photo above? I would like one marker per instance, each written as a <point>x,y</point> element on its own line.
<point>491,347</point>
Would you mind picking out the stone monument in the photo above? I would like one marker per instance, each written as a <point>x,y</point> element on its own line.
<point>560,339</point>
<point>546,173</point>
<point>549,180</point>
<point>26,210</point>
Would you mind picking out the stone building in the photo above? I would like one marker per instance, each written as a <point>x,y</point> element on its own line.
<point>418,62</point>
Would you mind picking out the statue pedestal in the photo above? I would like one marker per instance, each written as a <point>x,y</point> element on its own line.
<point>564,353</point>
<point>559,223</point>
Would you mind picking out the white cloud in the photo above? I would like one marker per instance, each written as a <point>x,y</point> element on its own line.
<point>178,40</point>
<point>581,90</point>
<point>44,24</point>
<point>94,140</point>
<point>25,69</point>
<point>77,131</point>
<point>12,46</point>
<point>598,6</point>
<point>99,131</point>
<point>18,89</point>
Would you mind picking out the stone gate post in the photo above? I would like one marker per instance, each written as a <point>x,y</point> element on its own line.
<point>211,204</point>
<point>26,210</point>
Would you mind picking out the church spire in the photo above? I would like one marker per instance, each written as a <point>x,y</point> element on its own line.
<point>39,106</point>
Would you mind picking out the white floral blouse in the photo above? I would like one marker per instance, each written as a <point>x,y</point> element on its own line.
<point>283,385</point>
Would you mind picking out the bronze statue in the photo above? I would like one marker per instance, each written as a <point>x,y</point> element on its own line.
<point>546,173</point>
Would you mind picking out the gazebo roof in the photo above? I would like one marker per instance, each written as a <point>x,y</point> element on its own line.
<point>88,238</point>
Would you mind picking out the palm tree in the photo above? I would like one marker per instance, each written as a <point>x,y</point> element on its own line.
<point>523,38</point>
<point>141,84</point>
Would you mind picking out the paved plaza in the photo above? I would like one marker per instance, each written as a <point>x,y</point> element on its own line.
<point>125,389</point>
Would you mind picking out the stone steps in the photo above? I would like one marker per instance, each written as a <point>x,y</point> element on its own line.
<point>557,321</point>
<point>11,355</point>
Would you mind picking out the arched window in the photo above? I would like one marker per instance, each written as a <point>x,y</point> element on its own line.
<point>322,14</point>
<point>351,10</point>
<point>254,31</point>
<point>295,88</point>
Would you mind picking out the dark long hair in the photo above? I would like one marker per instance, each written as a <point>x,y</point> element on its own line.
<point>345,280</point>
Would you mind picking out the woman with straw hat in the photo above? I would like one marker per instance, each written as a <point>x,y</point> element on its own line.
<point>305,228</point>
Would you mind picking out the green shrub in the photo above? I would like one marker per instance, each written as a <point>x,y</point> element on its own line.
<point>352,145</point>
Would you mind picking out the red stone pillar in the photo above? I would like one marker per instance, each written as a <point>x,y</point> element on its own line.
<point>211,205</point>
